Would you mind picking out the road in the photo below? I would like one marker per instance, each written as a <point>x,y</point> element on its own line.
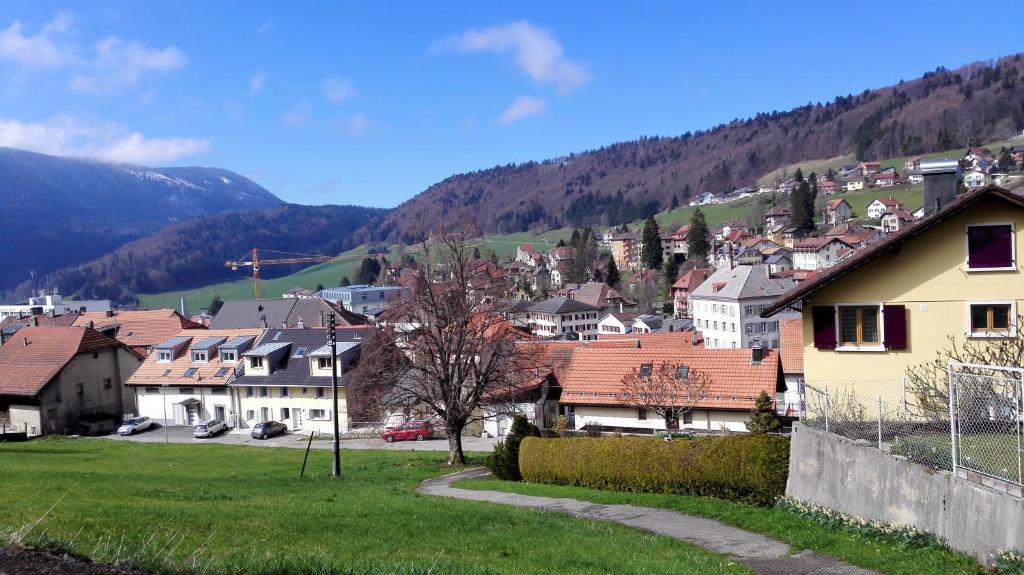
<point>183,434</point>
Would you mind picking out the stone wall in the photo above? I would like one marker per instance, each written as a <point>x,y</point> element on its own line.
<point>859,480</point>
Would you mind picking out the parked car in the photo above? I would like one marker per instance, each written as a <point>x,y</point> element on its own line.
<point>209,428</point>
<point>418,430</point>
<point>265,429</point>
<point>134,425</point>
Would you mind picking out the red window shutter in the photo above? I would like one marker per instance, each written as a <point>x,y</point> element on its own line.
<point>824,317</point>
<point>894,318</point>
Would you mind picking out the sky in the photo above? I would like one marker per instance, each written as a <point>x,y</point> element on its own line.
<point>370,103</point>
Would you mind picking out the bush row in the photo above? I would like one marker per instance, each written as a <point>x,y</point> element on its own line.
<point>747,468</point>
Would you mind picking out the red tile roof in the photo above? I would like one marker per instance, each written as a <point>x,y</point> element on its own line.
<point>594,376</point>
<point>834,204</point>
<point>791,345</point>
<point>34,356</point>
<point>139,328</point>
<point>41,320</point>
<point>693,278</point>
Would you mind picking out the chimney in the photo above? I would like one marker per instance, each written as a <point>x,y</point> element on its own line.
<point>728,254</point>
<point>184,310</point>
<point>756,354</point>
<point>24,341</point>
<point>939,183</point>
<point>263,318</point>
<point>52,313</point>
<point>109,313</point>
<point>693,336</point>
<point>89,324</point>
<point>34,321</point>
<point>301,324</point>
<point>671,328</point>
<point>81,309</point>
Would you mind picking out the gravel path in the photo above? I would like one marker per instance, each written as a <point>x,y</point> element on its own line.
<point>765,556</point>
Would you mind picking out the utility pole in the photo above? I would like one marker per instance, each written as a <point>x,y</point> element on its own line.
<point>332,340</point>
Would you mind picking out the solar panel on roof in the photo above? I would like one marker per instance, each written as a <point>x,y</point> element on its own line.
<point>191,371</point>
<point>222,371</point>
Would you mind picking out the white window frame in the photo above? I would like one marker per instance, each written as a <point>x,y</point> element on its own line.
<point>968,332</point>
<point>967,247</point>
<point>881,327</point>
<point>160,355</point>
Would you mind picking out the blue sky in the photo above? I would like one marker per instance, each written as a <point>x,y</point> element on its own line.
<point>370,103</point>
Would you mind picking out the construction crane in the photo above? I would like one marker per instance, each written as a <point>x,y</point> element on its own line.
<point>252,259</point>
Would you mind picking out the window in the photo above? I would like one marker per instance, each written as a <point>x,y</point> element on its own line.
<point>687,417</point>
<point>249,392</point>
<point>191,371</point>
<point>187,391</point>
<point>319,393</point>
<point>645,370</point>
<point>222,371</point>
<point>163,355</point>
<point>323,362</point>
<point>167,372</point>
<point>283,392</point>
<point>990,247</point>
<point>107,383</point>
<point>218,391</point>
<point>152,390</point>
<point>80,388</point>
<point>199,356</point>
<point>991,319</point>
<point>317,414</point>
<point>858,325</point>
<point>299,353</point>
<point>250,414</point>
<point>285,413</point>
<point>682,371</point>
<point>642,414</point>
<point>264,392</point>
<point>256,362</point>
<point>227,356</point>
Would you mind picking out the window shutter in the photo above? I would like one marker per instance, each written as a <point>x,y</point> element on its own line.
<point>894,318</point>
<point>824,318</point>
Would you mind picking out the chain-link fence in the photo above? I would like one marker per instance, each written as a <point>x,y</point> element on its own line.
<point>981,430</point>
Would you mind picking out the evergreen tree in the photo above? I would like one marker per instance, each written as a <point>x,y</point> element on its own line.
<point>799,176</point>
<point>494,257</point>
<point>319,287</point>
<point>762,417</point>
<point>215,304</point>
<point>697,238</point>
<point>368,271</point>
<point>624,229</point>
<point>651,256</point>
<point>561,242</point>
<point>476,253</point>
<point>671,272</point>
<point>612,278</point>
<point>675,202</point>
<point>801,207</point>
<point>345,282</point>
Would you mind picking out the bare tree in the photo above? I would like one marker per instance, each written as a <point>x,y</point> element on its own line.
<point>668,389</point>
<point>440,350</point>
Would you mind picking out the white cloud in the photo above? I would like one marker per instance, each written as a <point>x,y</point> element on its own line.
<point>534,50</point>
<point>41,50</point>
<point>358,124</point>
<point>297,116</point>
<point>118,63</point>
<point>68,136</point>
<point>256,82</point>
<point>338,91</point>
<point>522,107</point>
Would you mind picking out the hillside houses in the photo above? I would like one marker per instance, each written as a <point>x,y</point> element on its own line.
<point>837,211</point>
<point>726,307</point>
<point>879,205</point>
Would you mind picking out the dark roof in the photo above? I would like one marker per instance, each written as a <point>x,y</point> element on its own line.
<point>289,370</point>
<point>875,250</point>
<point>284,312</point>
<point>561,305</point>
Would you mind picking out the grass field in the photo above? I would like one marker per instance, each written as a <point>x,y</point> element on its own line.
<point>231,509</point>
<point>801,533</point>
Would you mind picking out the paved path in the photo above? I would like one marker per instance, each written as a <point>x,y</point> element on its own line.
<point>182,434</point>
<point>765,556</point>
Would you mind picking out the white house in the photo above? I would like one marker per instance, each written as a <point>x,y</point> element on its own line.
<point>727,307</point>
<point>563,317</point>
<point>895,219</point>
<point>975,179</point>
<point>818,253</point>
<point>879,205</point>
<point>617,323</point>
<point>362,298</point>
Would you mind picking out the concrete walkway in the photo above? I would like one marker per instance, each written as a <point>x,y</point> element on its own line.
<point>765,556</point>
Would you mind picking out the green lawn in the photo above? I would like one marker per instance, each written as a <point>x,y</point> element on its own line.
<point>800,533</point>
<point>234,509</point>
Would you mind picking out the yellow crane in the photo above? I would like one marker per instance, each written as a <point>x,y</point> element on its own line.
<point>252,259</point>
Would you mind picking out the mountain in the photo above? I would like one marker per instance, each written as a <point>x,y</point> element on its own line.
<point>943,109</point>
<point>192,253</point>
<point>63,211</point>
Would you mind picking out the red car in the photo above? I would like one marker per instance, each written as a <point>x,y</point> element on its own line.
<point>418,430</point>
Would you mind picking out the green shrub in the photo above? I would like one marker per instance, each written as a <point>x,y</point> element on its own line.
<point>503,462</point>
<point>747,468</point>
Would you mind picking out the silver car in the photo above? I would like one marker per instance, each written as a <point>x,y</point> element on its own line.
<point>209,428</point>
<point>134,425</point>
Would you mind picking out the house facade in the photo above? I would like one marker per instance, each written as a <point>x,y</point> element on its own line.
<point>818,253</point>
<point>625,248</point>
<point>837,211</point>
<point>878,206</point>
<point>958,277</point>
<point>684,286</point>
<point>362,298</point>
<point>564,318</point>
<point>727,307</point>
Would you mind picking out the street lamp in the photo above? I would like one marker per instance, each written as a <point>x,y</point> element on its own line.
<point>332,340</point>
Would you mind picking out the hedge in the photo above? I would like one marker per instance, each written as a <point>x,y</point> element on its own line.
<point>747,468</point>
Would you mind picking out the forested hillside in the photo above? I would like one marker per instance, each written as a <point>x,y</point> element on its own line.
<point>943,109</point>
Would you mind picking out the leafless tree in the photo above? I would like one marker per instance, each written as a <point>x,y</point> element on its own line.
<point>442,352</point>
<point>668,389</point>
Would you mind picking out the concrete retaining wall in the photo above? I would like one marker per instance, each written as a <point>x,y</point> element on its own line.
<point>859,480</point>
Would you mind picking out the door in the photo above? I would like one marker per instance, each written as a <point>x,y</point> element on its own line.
<point>264,414</point>
<point>220,413</point>
<point>502,425</point>
<point>296,424</point>
<point>180,415</point>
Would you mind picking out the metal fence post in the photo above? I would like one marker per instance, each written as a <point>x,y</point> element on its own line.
<point>952,416</point>
<point>879,422</point>
<point>826,408</point>
<point>1017,419</point>
<point>903,399</point>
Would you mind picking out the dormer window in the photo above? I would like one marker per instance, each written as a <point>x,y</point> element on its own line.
<point>199,356</point>
<point>228,355</point>
<point>324,362</point>
<point>646,369</point>
<point>682,371</point>
<point>256,362</point>
<point>164,355</point>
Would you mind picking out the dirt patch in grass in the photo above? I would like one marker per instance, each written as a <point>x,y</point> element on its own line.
<point>17,560</point>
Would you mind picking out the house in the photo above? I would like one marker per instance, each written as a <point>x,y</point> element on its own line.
<point>593,382</point>
<point>727,307</point>
<point>894,219</point>
<point>853,184</point>
<point>358,298</point>
<point>184,380</point>
<point>597,294</point>
<point>789,186</point>
<point>846,170</point>
<point>625,248</point>
<point>540,278</point>
<point>563,317</point>
<point>683,287</point>
<point>818,253</point>
<point>10,325</point>
<point>139,330</point>
<point>867,168</point>
<point>287,378</point>
<point>301,292</point>
<point>535,394</point>
<point>879,205</point>
<point>887,179</point>
<point>617,323</point>
<point>776,216</point>
<point>791,352</point>
<point>560,254</point>
<point>837,211</point>
<point>957,277</point>
<point>975,179</point>
<point>778,262</point>
<point>526,253</point>
<point>45,303</point>
<point>59,380</point>
<point>915,177</point>
<point>648,323</point>
<point>283,312</point>
<point>913,164</point>
<point>674,245</point>
<point>827,187</point>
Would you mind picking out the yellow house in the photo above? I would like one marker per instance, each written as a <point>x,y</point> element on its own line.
<point>896,303</point>
<point>286,377</point>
